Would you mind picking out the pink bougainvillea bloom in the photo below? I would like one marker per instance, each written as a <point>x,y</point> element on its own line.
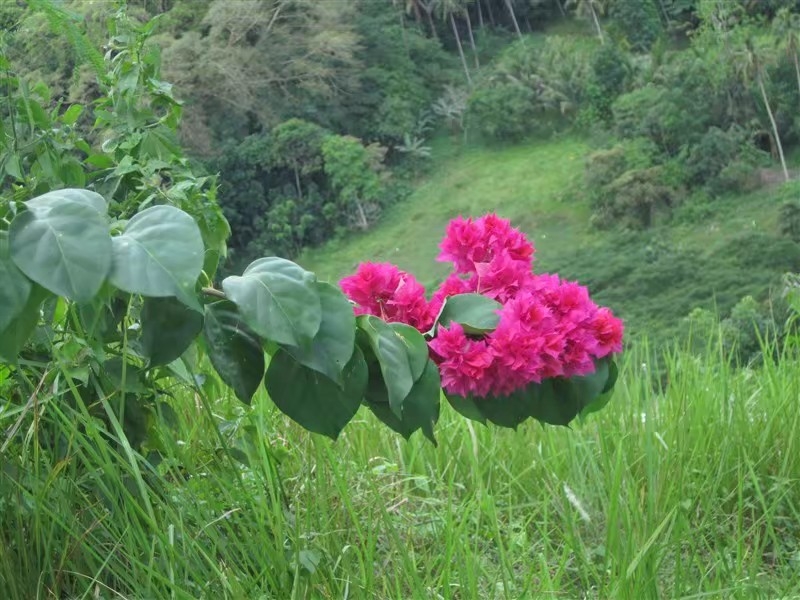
<point>468,242</point>
<point>608,331</point>
<point>383,290</point>
<point>548,327</point>
<point>463,362</point>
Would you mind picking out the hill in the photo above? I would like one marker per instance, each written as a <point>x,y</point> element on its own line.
<point>707,255</point>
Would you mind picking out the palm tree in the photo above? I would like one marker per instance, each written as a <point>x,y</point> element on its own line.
<point>590,9</point>
<point>751,67</point>
<point>510,7</point>
<point>787,29</point>
<point>448,9</point>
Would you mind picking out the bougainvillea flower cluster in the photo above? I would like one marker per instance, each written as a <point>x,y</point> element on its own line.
<point>548,327</point>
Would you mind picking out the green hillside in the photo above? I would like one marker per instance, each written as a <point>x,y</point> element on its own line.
<point>708,255</point>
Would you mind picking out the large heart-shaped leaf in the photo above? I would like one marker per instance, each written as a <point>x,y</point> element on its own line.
<point>278,300</point>
<point>62,243</point>
<point>391,352</point>
<point>332,346</point>
<point>476,313</point>
<point>233,349</point>
<point>313,400</point>
<point>160,254</point>
<point>58,197</point>
<point>420,408</point>
<point>15,287</point>
<point>168,328</point>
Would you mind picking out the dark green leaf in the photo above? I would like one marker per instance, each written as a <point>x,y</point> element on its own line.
<point>278,300</point>
<point>332,347</point>
<point>392,356</point>
<point>168,328</point>
<point>14,286</point>
<point>159,254</point>
<point>313,400</point>
<point>477,314</point>
<point>608,390</point>
<point>62,243</point>
<point>234,350</point>
<point>16,333</point>
<point>420,409</point>
<point>554,401</point>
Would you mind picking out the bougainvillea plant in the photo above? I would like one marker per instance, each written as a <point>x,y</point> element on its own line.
<point>126,311</point>
<point>509,344</point>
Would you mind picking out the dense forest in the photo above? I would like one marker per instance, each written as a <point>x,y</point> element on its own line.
<point>307,120</point>
<point>651,149</point>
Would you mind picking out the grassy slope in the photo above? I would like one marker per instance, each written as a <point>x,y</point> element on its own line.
<point>690,493</point>
<point>652,278</point>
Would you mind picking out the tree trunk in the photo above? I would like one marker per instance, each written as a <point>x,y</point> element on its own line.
<point>491,13</point>
<point>460,49</point>
<point>560,8</point>
<point>480,15</point>
<point>434,35</point>
<point>796,56</point>
<point>297,182</point>
<point>774,126</point>
<point>363,223</point>
<point>513,18</point>
<point>596,22</point>
<point>472,40</point>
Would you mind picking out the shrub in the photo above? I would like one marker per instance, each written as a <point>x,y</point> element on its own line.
<point>502,111</point>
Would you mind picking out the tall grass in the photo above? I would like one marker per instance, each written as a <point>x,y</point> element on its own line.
<point>688,488</point>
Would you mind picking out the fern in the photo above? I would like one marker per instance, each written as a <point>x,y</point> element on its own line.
<point>64,22</point>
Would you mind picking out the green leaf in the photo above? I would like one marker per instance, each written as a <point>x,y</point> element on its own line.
<point>313,400</point>
<point>62,243</point>
<point>416,347</point>
<point>332,346</point>
<point>72,114</point>
<point>391,352</point>
<point>15,288</point>
<point>278,300</point>
<point>159,254</point>
<point>233,349</point>
<point>16,333</point>
<point>168,328</point>
<point>608,390</point>
<point>50,200</point>
<point>477,314</point>
<point>420,408</point>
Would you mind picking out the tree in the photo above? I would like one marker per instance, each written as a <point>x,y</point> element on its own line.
<point>448,9</point>
<point>353,175</point>
<point>263,61</point>
<point>297,144</point>
<point>786,27</point>
<point>752,67</point>
<point>590,9</point>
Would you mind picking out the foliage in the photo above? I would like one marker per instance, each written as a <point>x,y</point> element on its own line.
<point>637,22</point>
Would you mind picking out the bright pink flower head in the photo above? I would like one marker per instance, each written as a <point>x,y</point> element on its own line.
<point>548,327</point>
<point>464,363</point>
<point>383,290</point>
<point>468,243</point>
<point>607,331</point>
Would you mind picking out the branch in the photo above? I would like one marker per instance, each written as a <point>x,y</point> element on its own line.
<point>210,291</point>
